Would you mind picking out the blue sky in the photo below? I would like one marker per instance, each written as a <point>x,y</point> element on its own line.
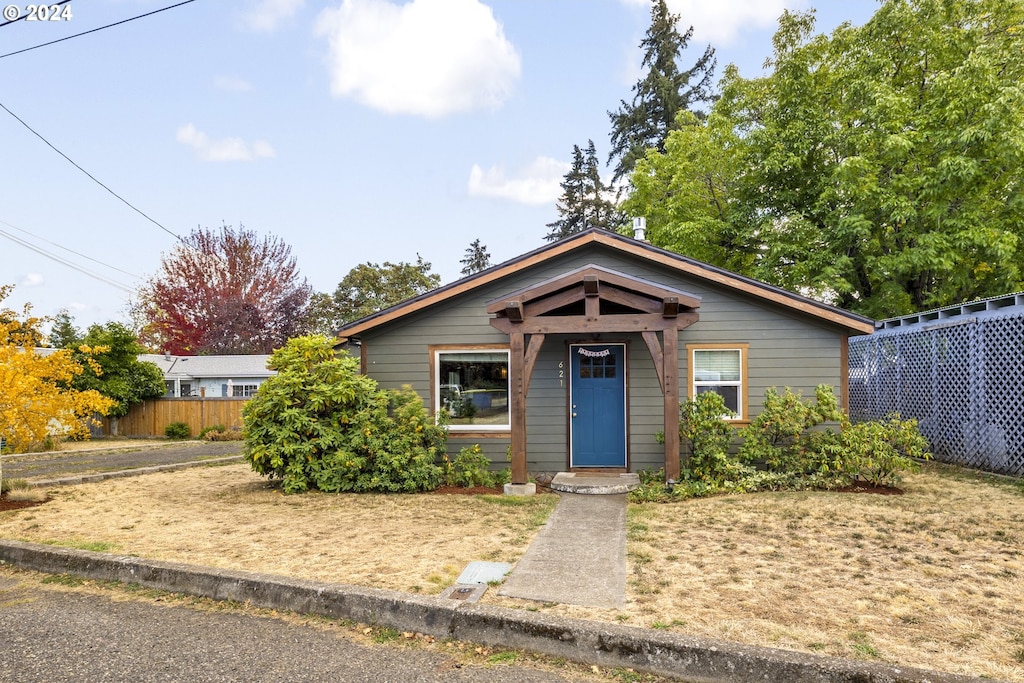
<point>355,130</point>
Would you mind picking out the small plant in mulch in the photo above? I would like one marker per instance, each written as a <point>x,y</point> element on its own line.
<point>16,494</point>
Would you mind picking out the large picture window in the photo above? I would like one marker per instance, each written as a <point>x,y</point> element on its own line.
<point>723,370</point>
<point>472,386</point>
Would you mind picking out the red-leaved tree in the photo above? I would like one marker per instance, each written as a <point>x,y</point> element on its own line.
<point>223,291</point>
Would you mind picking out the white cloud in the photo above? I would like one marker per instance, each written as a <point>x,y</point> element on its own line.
<point>226,149</point>
<point>427,57</point>
<point>32,280</point>
<point>267,15</point>
<point>232,84</point>
<point>538,183</point>
<point>723,21</point>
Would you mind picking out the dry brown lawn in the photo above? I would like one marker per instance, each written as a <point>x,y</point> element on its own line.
<point>933,578</point>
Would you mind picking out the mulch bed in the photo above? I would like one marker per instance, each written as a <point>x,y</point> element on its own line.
<point>6,504</point>
<point>469,490</point>
<point>867,487</point>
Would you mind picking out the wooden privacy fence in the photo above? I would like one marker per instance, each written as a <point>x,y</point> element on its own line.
<point>150,418</point>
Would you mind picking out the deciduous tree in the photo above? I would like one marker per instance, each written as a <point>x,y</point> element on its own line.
<point>880,168</point>
<point>368,288</point>
<point>223,291</point>
<point>663,92</point>
<point>116,372</point>
<point>35,397</point>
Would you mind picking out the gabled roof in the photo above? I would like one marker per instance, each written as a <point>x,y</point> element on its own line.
<point>690,267</point>
<point>199,367</point>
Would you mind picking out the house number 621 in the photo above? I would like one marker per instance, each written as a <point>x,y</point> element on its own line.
<point>561,373</point>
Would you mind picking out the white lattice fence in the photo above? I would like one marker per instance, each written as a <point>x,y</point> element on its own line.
<point>963,379</point>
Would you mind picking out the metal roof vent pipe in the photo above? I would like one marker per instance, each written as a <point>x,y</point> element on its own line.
<point>640,228</point>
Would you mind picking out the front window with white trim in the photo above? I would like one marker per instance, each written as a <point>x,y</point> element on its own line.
<point>720,370</point>
<point>472,386</point>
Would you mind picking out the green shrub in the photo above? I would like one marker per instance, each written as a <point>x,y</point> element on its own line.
<point>225,435</point>
<point>177,430</point>
<point>212,428</point>
<point>705,437</point>
<point>786,438</point>
<point>781,435</point>
<point>471,467</point>
<point>320,424</point>
<point>876,451</point>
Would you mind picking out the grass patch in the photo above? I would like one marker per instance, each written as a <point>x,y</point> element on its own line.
<point>94,546</point>
<point>507,657</point>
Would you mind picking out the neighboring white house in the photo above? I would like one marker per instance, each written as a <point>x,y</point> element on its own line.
<point>211,376</point>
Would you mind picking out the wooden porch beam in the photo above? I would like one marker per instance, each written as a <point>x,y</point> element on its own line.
<point>654,346</point>
<point>590,285</point>
<point>670,307</point>
<point>630,299</point>
<point>517,404</point>
<point>553,302</point>
<point>575,324</point>
<point>670,359</point>
<point>530,359</point>
<point>514,311</point>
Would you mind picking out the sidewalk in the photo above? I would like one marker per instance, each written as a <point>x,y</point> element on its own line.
<point>579,556</point>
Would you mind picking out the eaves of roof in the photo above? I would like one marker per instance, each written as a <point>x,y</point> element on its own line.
<point>851,321</point>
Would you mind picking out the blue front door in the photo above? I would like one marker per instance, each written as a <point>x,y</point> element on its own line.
<point>597,402</point>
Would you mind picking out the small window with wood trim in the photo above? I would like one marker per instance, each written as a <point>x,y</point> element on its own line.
<point>723,370</point>
<point>472,385</point>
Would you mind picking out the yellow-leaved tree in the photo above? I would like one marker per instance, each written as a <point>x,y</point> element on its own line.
<point>35,395</point>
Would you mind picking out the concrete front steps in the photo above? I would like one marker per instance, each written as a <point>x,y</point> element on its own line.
<point>595,483</point>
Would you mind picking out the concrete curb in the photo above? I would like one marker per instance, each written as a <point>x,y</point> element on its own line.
<point>698,660</point>
<point>135,472</point>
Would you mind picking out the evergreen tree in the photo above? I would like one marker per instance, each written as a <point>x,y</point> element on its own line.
<point>584,202</point>
<point>477,258</point>
<point>661,94</point>
<point>63,333</point>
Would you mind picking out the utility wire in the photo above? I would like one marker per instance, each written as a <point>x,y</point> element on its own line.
<point>84,33</point>
<point>91,176</point>
<point>71,251</point>
<point>64,261</point>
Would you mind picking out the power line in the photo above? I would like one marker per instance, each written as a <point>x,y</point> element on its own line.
<point>71,251</point>
<point>84,33</point>
<point>91,176</point>
<point>64,261</point>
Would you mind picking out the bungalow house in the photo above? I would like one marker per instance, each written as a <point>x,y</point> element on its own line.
<point>210,376</point>
<point>574,355</point>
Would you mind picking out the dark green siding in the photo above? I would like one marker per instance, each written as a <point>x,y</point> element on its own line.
<point>786,349</point>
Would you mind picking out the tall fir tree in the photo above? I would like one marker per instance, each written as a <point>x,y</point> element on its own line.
<point>477,258</point>
<point>585,201</point>
<point>63,333</point>
<point>661,94</point>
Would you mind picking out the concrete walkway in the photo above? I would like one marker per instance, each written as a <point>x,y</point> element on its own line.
<point>579,556</point>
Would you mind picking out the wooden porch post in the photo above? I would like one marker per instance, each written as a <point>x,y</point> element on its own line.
<point>670,357</point>
<point>517,404</point>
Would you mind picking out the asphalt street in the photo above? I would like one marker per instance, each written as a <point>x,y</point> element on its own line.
<point>65,463</point>
<point>76,635</point>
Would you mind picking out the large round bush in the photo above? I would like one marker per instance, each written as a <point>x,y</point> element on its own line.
<point>319,424</point>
